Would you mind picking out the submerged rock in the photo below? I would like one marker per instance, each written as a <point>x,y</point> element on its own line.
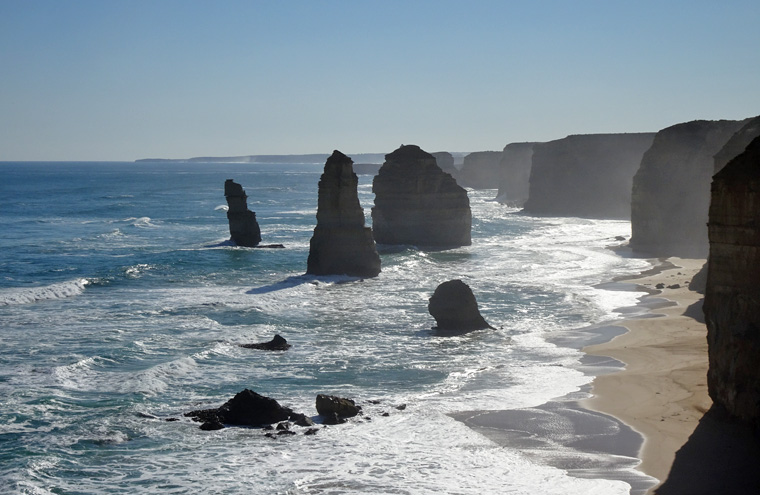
<point>278,343</point>
<point>417,203</point>
<point>244,229</point>
<point>455,309</point>
<point>732,295</point>
<point>341,244</point>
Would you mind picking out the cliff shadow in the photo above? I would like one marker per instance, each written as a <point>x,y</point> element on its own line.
<point>721,456</point>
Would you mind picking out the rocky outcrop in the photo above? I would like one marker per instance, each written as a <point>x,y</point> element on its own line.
<point>417,203</point>
<point>328,405</point>
<point>455,309</point>
<point>586,175</point>
<point>481,170</point>
<point>737,143</point>
<point>671,189</point>
<point>278,343</point>
<point>732,297</point>
<point>341,244</point>
<point>247,408</point>
<point>514,174</point>
<point>244,229</point>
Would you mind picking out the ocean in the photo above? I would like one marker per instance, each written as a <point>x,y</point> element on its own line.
<point>123,304</point>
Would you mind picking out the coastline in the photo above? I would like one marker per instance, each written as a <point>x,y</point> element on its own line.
<point>661,392</point>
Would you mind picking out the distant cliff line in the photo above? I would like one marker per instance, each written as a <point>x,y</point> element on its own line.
<point>315,158</point>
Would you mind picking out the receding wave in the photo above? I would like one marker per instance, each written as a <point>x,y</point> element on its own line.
<point>29,295</point>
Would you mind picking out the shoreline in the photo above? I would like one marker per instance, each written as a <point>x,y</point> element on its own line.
<point>661,392</point>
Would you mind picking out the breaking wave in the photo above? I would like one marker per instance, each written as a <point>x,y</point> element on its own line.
<point>61,290</point>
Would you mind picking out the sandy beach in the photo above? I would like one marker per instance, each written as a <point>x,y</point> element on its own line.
<point>662,391</point>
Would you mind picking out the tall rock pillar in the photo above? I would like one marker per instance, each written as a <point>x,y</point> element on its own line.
<point>341,244</point>
<point>244,229</point>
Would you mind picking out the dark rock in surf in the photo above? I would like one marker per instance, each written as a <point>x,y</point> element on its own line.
<point>341,244</point>
<point>244,229</point>
<point>417,203</point>
<point>327,405</point>
<point>247,408</point>
<point>278,343</point>
<point>455,309</point>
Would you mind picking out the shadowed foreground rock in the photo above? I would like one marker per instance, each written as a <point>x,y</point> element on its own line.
<point>244,229</point>
<point>417,203</point>
<point>328,405</point>
<point>341,244</point>
<point>455,309</point>
<point>247,408</point>
<point>732,296</point>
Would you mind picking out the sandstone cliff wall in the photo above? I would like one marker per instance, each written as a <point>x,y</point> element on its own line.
<point>732,297</point>
<point>514,174</point>
<point>585,175</point>
<point>737,143</point>
<point>671,193</point>
<point>417,203</point>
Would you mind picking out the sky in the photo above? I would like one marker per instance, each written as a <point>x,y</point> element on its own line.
<point>122,80</point>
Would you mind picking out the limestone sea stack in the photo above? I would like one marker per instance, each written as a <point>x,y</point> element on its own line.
<point>244,229</point>
<point>417,203</point>
<point>586,176</point>
<point>480,170</point>
<point>514,174</point>
<point>732,296</point>
<point>455,309</point>
<point>341,244</point>
<point>671,190</point>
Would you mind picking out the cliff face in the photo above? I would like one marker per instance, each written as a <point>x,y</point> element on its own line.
<point>445,162</point>
<point>732,297</point>
<point>417,203</point>
<point>244,229</point>
<point>671,193</point>
<point>514,174</point>
<point>586,175</point>
<point>341,244</point>
<point>737,143</point>
<point>481,170</point>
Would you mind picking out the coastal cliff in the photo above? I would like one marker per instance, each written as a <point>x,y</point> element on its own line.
<point>481,170</point>
<point>417,203</point>
<point>671,193</point>
<point>586,175</point>
<point>732,297</point>
<point>514,174</point>
<point>737,143</point>
<point>341,244</point>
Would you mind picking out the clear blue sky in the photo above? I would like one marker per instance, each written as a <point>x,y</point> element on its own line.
<point>121,80</point>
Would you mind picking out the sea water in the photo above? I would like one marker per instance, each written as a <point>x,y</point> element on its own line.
<point>123,304</point>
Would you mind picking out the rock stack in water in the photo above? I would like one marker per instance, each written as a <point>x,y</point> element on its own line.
<point>514,174</point>
<point>341,244</point>
<point>455,309</point>
<point>244,229</point>
<point>417,203</point>
<point>732,296</point>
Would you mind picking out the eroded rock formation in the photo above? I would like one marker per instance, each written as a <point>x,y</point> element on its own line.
<point>244,229</point>
<point>514,174</point>
<point>481,170</point>
<point>341,244</point>
<point>455,309</point>
<point>445,162</point>
<point>586,175</point>
<point>247,408</point>
<point>278,343</point>
<point>417,203</point>
<point>671,190</point>
<point>732,297</point>
<point>737,143</point>
<point>328,405</point>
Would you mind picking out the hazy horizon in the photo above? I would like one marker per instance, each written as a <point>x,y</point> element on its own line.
<point>108,81</point>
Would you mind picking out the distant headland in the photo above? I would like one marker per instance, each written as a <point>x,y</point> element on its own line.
<point>317,158</point>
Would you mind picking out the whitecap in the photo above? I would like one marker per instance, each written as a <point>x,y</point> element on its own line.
<point>222,208</point>
<point>61,290</point>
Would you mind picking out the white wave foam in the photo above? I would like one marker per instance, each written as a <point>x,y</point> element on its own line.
<point>61,290</point>
<point>141,222</point>
<point>222,208</point>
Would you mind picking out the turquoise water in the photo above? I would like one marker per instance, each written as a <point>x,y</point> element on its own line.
<point>122,305</point>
